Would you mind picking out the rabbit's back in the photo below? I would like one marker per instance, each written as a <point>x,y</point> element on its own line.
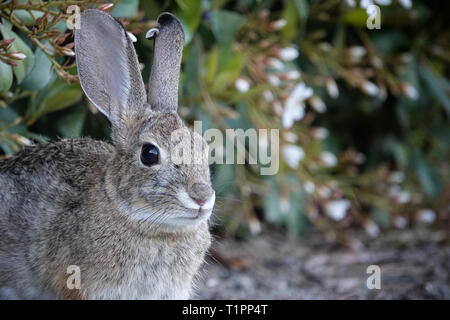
<point>36,185</point>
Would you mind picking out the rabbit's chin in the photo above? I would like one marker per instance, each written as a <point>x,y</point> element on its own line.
<point>180,218</point>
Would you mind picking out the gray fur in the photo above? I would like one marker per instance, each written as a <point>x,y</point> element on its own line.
<point>94,205</point>
<point>167,54</point>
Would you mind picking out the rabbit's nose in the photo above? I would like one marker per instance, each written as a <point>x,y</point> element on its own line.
<point>200,202</point>
<point>200,193</point>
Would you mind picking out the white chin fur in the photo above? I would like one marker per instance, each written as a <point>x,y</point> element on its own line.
<point>188,203</point>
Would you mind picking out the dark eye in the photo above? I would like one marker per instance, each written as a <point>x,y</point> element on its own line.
<point>149,154</point>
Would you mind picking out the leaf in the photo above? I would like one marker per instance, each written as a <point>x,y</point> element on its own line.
<point>190,14</point>
<point>294,218</point>
<point>57,97</point>
<point>62,100</point>
<point>225,25</point>
<point>7,118</point>
<point>224,178</point>
<point>24,66</point>
<point>302,9</point>
<point>71,124</point>
<point>290,14</point>
<point>125,8</point>
<point>381,217</point>
<point>430,180</point>
<point>26,17</point>
<point>6,76</point>
<point>41,74</point>
<point>356,17</point>
<point>435,84</point>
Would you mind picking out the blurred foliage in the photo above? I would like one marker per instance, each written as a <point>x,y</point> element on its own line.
<point>363,114</point>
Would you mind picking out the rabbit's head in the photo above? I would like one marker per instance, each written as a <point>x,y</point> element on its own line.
<point>148,175</point>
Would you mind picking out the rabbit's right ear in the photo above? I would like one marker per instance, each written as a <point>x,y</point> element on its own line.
<point>108,67</point>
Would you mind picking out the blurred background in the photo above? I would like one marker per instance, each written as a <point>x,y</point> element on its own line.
<point>362,104</point>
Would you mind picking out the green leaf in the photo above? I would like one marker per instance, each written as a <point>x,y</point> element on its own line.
<point>24,66</point>
<point>436,84</point>
<point>225,25</point>
<point>224,178</point>
<point>26,17</point>
<point>190,14</point>
<point>381,217</point>
<point>430,180</point>
<point>71,124</point>
<point>290,14</point>
<point>6,76</point>
<point>356,17</point>
<point>7,117</point>
<point>61,100</point>
<point>302,9</point>
<point>41,74</point>
<point>125,8</point>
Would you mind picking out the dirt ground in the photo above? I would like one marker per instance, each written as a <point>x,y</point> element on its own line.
<point>414,265</point>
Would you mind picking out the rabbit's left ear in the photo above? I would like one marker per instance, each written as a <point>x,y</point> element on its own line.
<point>108,67</point>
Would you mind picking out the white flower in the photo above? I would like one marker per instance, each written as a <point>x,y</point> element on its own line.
<point>376,62</point>
<point>370,88</point>
<point>268,95</point>
<point>365,3</point>
<point>404,197</point>
<point>317,104</point>
<point>409,91</point>
<point>242,85</point>
<point>290,137</point>
<point>294,106</point>
<point>372,229</point>
<point>276,63</point>
<point>278,108</point>
<point>288,53</point>
<point>407,4</point>
<point>325,46</point>
<point>309,187</point>
<point>292,75</point>
<point>132,37</point>
<point>324,191</point>
<point>254,226</point>
<point>332,88</point>
<point>293,155</point>
<point>427,216</point>
<point>351,3</point>
<point>328,159</point>
<point>278,24</point>
<point>17,55</point>
<point>337,209</point>
<point>273,80</point>
<point>383,2</point>
<point>397,177</point>
<point>67,51</point>
<point>320,133</point>
<point>356,53</point>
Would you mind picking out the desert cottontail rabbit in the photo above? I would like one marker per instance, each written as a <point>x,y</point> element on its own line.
<point>133,222</point>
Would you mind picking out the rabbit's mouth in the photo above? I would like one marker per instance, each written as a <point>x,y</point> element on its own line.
<point>200,213</point>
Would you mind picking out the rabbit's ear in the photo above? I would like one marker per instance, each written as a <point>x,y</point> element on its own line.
<point>107,66</point>
<point>165,74</point>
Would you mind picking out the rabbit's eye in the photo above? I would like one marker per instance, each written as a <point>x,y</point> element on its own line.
<point>149,154</point>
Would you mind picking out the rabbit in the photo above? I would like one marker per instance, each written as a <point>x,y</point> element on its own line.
<point>133,221</point>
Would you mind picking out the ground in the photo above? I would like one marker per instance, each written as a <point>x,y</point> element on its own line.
<point>414,264</point>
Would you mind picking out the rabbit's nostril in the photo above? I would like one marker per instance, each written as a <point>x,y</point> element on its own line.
<point>200,202</point>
